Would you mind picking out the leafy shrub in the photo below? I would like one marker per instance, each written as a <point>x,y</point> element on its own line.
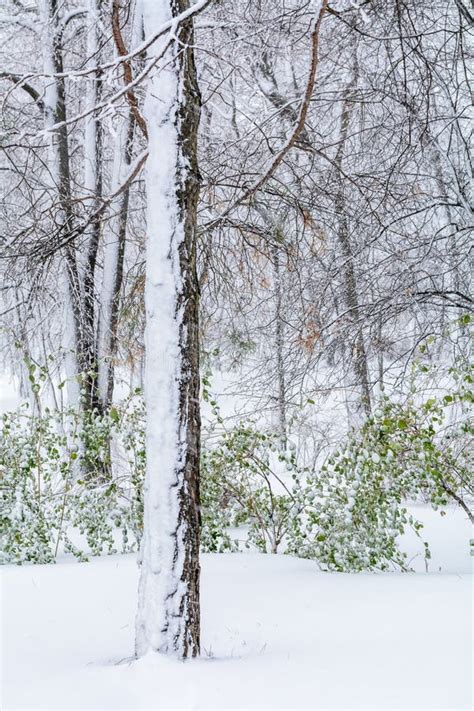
<point>60,490</point>
<point>355,506</point>
<point>57,482</point>
<point>344,516</point>
<point>245,484</point>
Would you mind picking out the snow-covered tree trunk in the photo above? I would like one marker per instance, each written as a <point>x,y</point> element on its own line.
<point>93,169</point>
<point>168,617</point>
<point>114,250</point>
<point>58,179</point>
<point>115,232</point>
<point>279,343</point>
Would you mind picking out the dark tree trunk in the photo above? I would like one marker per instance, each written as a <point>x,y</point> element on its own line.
<point>189,409</point>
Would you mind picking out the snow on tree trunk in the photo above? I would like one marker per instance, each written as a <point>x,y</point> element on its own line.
<point>279,343</point>
<point>87,254</point>
<point>114,249</point>
<point>115,232</point>
<point>48,30</point>
<point>168,617</point>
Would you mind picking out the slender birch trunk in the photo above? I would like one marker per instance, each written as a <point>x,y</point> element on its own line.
<point>279,342</point>
<point>114,253</point>
<point>168,617</point>
<point>80,286</point>
<point>114,245</point>
<point>276,237</point>
<point>59,178</point>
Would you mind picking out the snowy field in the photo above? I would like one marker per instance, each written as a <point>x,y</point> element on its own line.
<point>277,633</point>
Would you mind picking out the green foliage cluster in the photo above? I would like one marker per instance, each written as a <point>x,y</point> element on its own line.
<point>245,485</point>
<point>349,513</point>
<point>345,516</point>
<point>60,491</point>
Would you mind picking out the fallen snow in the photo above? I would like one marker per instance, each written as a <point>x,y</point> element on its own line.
<point>277,633</point>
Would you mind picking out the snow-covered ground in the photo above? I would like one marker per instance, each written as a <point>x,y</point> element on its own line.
<point>277,633</point>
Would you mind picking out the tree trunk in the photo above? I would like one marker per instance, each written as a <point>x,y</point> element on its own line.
<point>275,238</point>
<point>359,354</point>
<point>114,252</point>
<point>168,617</point>
<point>115,237</point>
<point>279,342</point>
<point>93,160</point>
<point>54,110</point>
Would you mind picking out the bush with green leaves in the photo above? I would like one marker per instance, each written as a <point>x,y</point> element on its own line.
<point>247,482</point>
<point>354,511</point>
<point>343,516</point>
<point>74,481</point>
<point>349,513</point>
<point>34,458</point>
<point>57,484</point>
<point>416,449</point>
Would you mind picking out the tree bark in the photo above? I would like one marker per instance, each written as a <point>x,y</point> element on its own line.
<point>80,287</point>
<point>116,232</point>
<point>168,618</point>
<point>114,252</point>
<point>54,109</point>
<point>93,167</point>
<point>279,342</point>
<point>359,354</point>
